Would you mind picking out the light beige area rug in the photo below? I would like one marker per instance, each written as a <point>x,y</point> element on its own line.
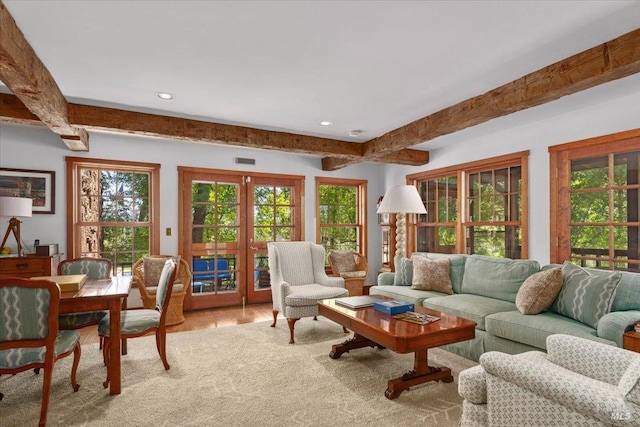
<point>245,375</point>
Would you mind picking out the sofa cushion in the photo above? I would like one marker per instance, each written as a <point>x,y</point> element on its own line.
<point>539,291</point>
<point>404,272</point>
<point>498,278</point>
<point>471,307</point>
<point>585,297</point>
<point>534,330</point>
<point>432,275</point>
<point>404,293</point>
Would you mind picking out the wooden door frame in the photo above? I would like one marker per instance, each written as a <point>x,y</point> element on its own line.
<point>184,205</point>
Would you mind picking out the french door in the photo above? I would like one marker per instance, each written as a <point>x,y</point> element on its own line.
<point>227,219</point>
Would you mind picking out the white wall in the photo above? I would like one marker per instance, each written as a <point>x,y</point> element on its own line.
<point>599,111</point>
<point>603,110</point>
<point>31,147</point>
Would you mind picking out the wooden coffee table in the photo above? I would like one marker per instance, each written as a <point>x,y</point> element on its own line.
<point>373,328</point>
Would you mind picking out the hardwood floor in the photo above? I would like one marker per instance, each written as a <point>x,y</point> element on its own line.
<point>203,319</point>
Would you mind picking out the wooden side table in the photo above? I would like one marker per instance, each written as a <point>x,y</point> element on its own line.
<point>632,341</point>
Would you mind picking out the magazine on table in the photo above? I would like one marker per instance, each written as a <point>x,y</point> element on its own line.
<point>413,317</point>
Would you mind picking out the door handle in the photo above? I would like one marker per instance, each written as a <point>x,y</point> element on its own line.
<point>253,248</point>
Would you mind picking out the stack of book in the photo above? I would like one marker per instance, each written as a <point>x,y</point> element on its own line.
<point>637,327</point>
<point>393,306</point>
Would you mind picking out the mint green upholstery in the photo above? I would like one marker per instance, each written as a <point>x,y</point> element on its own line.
<point>94,268</point>
<point>584,296</point>
<point>534,330</point>
<point>29,336</point>
<point>498,278</point>
<point>404,293</point>
<point>485,289</point>
<point>136,323</point>
<point>471,307</point>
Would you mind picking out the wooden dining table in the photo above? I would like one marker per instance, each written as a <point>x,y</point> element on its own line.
<point>103,294</point>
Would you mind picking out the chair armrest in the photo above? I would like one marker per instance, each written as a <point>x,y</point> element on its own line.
<point>596,399</point>
<point>612,326</point>
<point>334,282</point>
<point>589,358</point>
<point>137,281</point>
<point>386,278</point>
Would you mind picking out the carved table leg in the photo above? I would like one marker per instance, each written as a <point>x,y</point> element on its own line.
<point>420,374</point>
<point>357,341</point>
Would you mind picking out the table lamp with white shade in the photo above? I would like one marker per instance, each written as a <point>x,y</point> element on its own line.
<point>15,207</point>
<point>402,200</point>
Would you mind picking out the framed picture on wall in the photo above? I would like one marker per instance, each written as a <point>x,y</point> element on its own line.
<point>34,184</point>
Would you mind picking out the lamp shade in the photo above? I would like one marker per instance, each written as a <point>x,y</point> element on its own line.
<point>15,206</point>
<point>402,199</point>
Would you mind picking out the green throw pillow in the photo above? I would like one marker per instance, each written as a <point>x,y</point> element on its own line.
<point>585,297</point>
<point>404,272</point>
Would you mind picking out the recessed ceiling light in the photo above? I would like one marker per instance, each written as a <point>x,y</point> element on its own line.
<point>164,95</point>
<point>326,123</point>
<point>355,132</point>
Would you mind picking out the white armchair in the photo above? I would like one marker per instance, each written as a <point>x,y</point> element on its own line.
<point>578,382</point>
<point>299,281</point>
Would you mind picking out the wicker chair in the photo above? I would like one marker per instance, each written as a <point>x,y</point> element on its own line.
<point>352,267</point>
<point>175,313</point>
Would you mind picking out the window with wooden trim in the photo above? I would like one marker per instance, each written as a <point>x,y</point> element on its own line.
<point>595,216</point>
<point>114,211</point>
<point>437,230</point>
<point>341,214</point>
<point>475,208</point>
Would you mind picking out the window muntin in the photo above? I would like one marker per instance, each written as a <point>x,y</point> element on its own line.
<point>478,207</point>
<point>436,230</point>
<point>604,205</point>
<point>340,212</point>
<point>113,211</point>
<point>492,226</point>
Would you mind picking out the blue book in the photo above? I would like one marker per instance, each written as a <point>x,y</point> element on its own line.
<point>393,306</point>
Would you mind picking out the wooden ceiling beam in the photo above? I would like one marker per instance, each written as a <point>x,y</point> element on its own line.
<point>128,122</point>
<point>26,76</point>
<point>609,61</point>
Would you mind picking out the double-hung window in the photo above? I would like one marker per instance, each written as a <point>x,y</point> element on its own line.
<point>341,214</point>
<point>595,202</point>
<point>474,208</point>
<point>113,210</point>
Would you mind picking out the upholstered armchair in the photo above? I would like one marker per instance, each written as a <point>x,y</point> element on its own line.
<point>298,281</point>
<point>29,335</point>
<point>136,323</point>
<point>577,382</point>
<point>146,273</point>
<point>352,267</point>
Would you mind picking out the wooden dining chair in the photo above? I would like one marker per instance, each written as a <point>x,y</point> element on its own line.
<point>29,335</point>
<point>94,268</point>
<point>136,323</point>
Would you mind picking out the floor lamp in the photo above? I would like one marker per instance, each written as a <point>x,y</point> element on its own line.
<point>13,207</point>
<point>402,200</point>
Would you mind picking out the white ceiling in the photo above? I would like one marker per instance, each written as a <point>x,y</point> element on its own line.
<point>284,65</point>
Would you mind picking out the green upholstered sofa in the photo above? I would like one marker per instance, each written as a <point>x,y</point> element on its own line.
<point>485,290</point>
